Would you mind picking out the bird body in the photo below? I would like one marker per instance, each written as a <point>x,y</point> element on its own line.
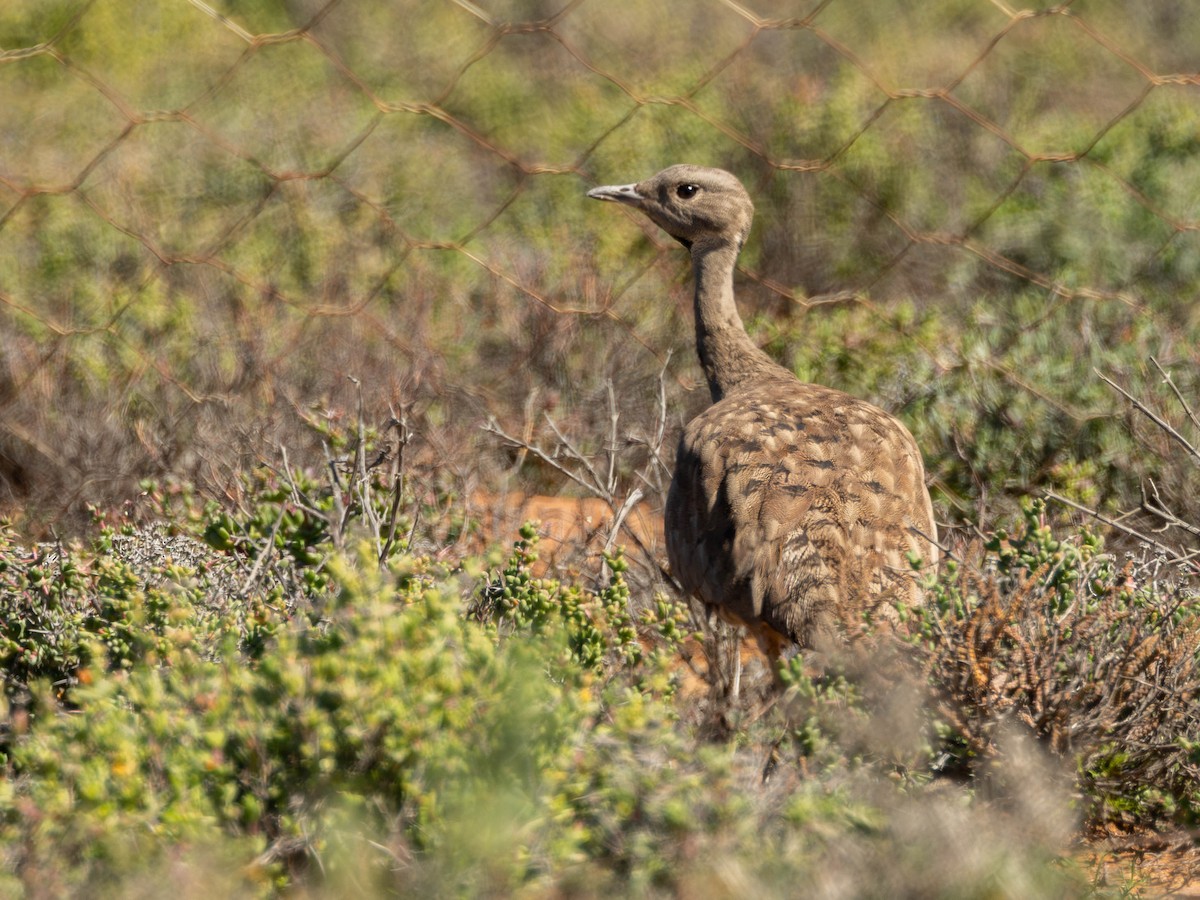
<point>794,508</point>
<point>791,512</point>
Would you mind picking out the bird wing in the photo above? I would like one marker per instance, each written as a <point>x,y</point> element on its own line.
<point>796,506</point>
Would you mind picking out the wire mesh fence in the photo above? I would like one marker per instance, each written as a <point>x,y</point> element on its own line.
<point>220,222</point>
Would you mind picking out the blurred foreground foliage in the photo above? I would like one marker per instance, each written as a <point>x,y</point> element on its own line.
<point>466,725</point>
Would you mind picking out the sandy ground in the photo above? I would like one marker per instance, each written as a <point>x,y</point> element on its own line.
<point>1163,865</point>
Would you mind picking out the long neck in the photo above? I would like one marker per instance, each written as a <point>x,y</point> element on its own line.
<point>727,355</point>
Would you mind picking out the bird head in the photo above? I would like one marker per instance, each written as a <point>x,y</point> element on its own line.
<point>698,206</point>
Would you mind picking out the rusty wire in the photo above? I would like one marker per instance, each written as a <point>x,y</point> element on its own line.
<point>22,182</point>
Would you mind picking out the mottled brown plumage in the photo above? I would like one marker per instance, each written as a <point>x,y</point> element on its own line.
<point>794,507</point>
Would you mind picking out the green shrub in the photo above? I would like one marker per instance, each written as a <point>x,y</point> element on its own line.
<point>391,743</point>
<point>601,633</point>
<point>392,710</point>
<point>68,607</point>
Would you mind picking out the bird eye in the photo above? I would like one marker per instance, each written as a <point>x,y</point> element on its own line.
<point>686,191</point>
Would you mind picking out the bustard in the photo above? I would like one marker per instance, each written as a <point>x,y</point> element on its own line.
<point>794,507</point>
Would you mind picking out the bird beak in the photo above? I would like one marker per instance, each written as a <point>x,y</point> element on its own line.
<point>619,193</point>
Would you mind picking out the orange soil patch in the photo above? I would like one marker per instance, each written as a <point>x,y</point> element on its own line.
<point>566,524</point>
<point>1161,865</point>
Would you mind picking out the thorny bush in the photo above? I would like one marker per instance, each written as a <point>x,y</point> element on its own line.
<point>1097,656</point>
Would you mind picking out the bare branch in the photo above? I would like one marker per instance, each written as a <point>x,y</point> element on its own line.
<point>619,519</point>
<point>1157,507</point>
<point>1178,396</point>
<point>1125,529</point>
<point>493,427</point>
<point>597,486</point>
<point>610,485</point>
<point>1151,415</point>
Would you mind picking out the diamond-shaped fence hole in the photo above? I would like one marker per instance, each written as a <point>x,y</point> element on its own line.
<point>229,346</point>
<point>316,244</point>
<point>1072,222</point>
<point>404,53</point>
<point>912,46</point>
<point>792,241</point>
<point>649,47</point>
<point>1165,41</point>
<point>171,185</point>
<point>790,93</point>
<point>269,18</point>
<point>163,74</point>
<point>28,23</point>
<point>646,256</point>
<point>65,264</point>
<point>834,237</point>
<point>540,237</point>
<point>52,123</point>
<point>519,11</point>
<point>1175,262</point>
<point>534,100</point>
<point>963,169</point>
<point>1156,150</point>
<point>659,134</point>
<point>288,107</point>
<point>392,169</point>
<point>1051,86</point>
<point>936,275</point>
